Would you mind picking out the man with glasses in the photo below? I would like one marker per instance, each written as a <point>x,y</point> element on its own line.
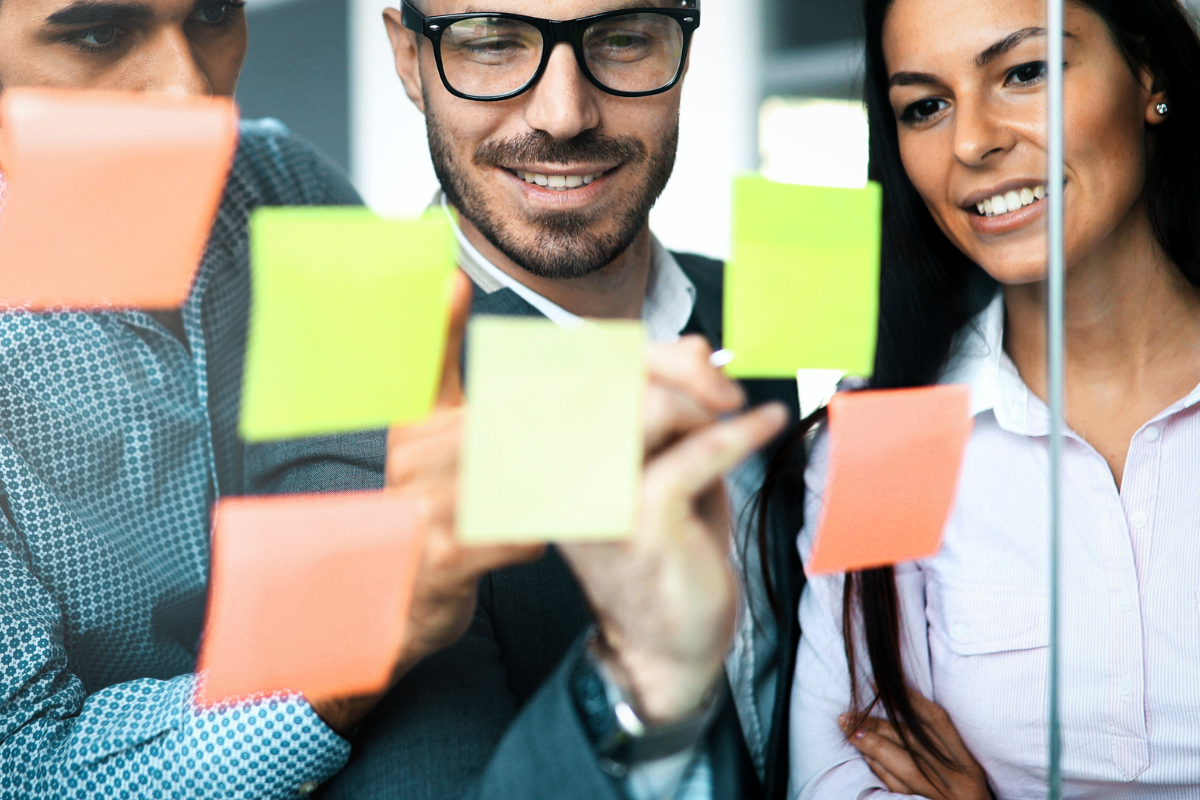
<point>553,129</point>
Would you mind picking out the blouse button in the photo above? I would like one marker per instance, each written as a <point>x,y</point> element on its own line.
<point>959,632</point>
<point>1138,519</point>
<point>1125,686</point>
<point>1151,434</point>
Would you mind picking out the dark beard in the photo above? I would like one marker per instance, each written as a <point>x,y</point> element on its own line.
<point>565,244</point>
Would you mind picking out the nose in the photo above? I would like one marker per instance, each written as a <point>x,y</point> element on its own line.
<point>168,66</point>
<point>563,103</point>
<point>979,132</point>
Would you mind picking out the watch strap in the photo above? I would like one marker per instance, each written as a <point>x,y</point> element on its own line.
<point>620,737</point>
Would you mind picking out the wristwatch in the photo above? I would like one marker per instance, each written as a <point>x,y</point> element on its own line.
<point>622,740</point>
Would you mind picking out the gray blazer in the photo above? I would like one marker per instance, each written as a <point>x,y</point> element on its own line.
<point>492,715</point>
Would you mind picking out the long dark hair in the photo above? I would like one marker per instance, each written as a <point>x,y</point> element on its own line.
<point>929,291</point>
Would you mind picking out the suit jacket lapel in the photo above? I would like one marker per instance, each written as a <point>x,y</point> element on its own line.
<point>502,302</point>
<point>786,571</point>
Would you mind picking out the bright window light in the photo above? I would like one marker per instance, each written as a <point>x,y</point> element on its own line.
<point>814,142</point>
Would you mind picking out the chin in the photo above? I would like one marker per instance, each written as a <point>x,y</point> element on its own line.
<point>1016,273</point>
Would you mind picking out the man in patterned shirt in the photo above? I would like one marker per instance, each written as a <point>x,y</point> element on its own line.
<point>117,431</point>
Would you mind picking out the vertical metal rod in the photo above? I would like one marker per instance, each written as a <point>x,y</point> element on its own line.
<point>1054,357</point>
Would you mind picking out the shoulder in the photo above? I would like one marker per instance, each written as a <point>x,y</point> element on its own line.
<point>284,169</point>
<point>708,274</point>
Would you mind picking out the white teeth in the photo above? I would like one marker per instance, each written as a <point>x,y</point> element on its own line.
<point>557,182</point>
<point>1010,201</point>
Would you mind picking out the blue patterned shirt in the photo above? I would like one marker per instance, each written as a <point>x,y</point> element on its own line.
<point>115,439</point>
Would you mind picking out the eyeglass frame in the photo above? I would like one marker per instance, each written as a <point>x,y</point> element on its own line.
<point>554,32</point>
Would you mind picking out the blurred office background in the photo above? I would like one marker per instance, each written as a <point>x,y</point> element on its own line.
<point>773,86</point>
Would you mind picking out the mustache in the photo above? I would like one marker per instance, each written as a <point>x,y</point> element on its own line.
<point>541,147</point>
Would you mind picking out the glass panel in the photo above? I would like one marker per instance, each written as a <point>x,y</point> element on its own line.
<point>635,52</point>
<point>1055,349</point>
<point>791,24</point>
<point>814,141</point>
<point>490,56</point>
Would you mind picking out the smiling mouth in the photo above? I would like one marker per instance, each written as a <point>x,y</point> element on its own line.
<point>558,183</point>
<point>1007,203</point>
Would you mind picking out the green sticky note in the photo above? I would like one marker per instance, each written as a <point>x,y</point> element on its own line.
<point>553,443</point>
<point>348,321</point>
<point>802,287</point>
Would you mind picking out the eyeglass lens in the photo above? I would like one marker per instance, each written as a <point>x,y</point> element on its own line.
<point>494,56</point>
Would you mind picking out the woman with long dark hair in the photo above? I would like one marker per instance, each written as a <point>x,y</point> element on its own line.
<point>957,101</point>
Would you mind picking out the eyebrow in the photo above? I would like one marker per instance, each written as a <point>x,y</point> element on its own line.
<point>621,5</point>
<point>982,60</point>
<point>912,79</point>
<point>100,12</point>
<point>1006,44</point>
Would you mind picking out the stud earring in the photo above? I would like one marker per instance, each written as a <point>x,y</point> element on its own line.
<point>1162,109</point>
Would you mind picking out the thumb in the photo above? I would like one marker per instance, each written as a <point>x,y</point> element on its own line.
<point>450,392</point>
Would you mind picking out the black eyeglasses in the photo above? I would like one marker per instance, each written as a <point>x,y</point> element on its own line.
<point>629,53</point>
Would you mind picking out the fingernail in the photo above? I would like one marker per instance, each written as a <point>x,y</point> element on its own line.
<point>860,734</point>
<point>779,409</point>
<point>841,720</point>
<point>721,358</point>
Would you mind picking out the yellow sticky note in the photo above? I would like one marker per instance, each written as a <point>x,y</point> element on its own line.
<point>553,444</point>
<point>348,321</point>
<point>802,287</point>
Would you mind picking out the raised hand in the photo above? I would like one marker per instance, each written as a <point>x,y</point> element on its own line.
<point>422,463</point>
<point>666,600</point>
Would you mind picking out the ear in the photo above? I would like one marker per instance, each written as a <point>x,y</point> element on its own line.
<point>1153,95</point>
<point>407,51</point>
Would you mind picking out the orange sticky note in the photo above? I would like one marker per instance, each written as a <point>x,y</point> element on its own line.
<point>309,593</point>
<point>894,460</point>
<point>110,196</point>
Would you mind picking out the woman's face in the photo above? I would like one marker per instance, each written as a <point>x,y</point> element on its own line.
<point>969,94</point>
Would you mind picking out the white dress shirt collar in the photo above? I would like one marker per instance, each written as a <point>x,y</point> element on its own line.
<point>670,295</point>
<point>979,361</point>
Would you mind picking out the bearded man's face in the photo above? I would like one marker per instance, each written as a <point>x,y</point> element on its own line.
<point>561,178</point>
